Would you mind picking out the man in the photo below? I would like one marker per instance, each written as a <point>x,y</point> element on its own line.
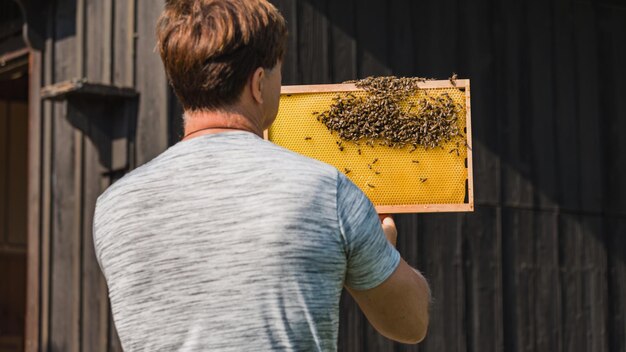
<point>227,242</point>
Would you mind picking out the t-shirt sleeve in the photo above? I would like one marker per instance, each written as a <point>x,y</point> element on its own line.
<point>371,258</point>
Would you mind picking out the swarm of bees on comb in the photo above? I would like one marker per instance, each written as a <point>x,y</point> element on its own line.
<point>380,114</point>
<point>385,116</point>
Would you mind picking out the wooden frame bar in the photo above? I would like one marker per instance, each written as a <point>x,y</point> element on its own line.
<point>461,84</point>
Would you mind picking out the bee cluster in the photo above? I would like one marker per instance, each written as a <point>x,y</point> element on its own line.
<point>381,115</point>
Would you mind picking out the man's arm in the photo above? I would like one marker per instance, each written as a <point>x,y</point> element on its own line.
<point>397,308</point>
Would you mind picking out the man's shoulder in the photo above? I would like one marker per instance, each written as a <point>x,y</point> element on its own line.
<point>125,187</point>
<point>266,158</point>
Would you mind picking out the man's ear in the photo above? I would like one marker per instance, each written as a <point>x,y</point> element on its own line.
<point>257,84</point>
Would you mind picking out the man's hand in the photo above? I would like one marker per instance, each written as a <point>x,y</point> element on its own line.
<point>389,227</point>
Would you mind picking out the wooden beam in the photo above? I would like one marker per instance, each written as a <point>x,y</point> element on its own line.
<point>64,89</point>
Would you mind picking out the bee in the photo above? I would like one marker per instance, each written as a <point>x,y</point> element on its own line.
<point>454,150</point>
<point>375,160</point>
<point>453,79</point>
<point>377,172</point>
<point>346,170</point>
<point>307,138</point>
<point>315,112</point>
<point>423,179</point>
<point>415,161</point>
<point>371,186</point>
<point>359,151</point>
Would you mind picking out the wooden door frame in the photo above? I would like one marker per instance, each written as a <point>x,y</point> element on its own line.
<point>33,288</point>
<point>34,15</point>
<point>33,182</point>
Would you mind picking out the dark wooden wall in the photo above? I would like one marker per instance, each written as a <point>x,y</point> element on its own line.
<point>539,266</point>
<point>80,144</point>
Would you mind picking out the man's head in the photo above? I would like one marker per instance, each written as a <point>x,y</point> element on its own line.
<point>213,49</point>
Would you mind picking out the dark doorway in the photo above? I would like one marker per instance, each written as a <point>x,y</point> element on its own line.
<point>13,179</point>
<point>13,196</point>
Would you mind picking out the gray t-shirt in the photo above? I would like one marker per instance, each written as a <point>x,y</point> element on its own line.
<point>227,242</point>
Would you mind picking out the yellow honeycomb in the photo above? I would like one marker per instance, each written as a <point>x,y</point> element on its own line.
<point>399,177</point>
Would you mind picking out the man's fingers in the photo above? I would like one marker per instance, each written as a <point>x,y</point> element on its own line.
<point>388,221</point>
<point>389,227</point>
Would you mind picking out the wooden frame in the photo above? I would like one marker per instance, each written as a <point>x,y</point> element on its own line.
<point>33,264</point>
<point>461,84</point>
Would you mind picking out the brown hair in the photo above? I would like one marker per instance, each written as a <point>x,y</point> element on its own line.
<point>211,47</point>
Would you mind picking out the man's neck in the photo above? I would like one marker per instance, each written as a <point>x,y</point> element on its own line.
<point>210,122</point>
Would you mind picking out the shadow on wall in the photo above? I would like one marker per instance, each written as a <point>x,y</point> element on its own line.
<point>544,250</point>
<point>540,142</point>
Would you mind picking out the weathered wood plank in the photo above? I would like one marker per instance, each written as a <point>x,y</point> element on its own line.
<point>532,298</point>
<point>595,283</point>
<point>35,161</point>
<point>588,104</point>
<point>371,37</point>
<point>123,43</point>
<point>441,251</point>
<point>409,247</point>
<point>107,41</point>
<point>289,10</point>
<point>313,61</point>
<point>343,44</point>
<point>94,30</point>
<point>46,219</point>
<point>18,174</point>
<point>482,236</point>
<point>408,243</point>
<point>517,187</point>
<point>436,30</point>
<point>518,279</point>
<point>64,332</point>
<point>567,145</point>
<point>613,73</point>
<point>401,38</point>
<point>616,245</point>
<point>47,76</point>
<point>64,65</point>
<point>541,110</point>
<point>152,124</point>
<point>90,116</point>
<point>547,310</point>
<point>583,283</point>
<point>66,239</point>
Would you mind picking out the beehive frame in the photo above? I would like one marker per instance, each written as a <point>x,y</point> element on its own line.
<point>282,133</point>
